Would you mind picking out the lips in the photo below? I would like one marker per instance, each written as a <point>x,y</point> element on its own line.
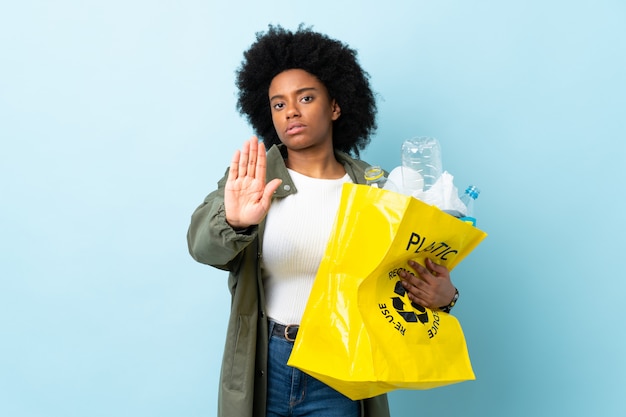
<point>294,128</point>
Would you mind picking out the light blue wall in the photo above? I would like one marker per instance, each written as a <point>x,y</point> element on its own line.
<point>116,118</point>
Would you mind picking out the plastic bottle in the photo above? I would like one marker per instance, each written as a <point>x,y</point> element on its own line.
<point>468,198</point>
<point>375,176</point>
<point>421,164</point>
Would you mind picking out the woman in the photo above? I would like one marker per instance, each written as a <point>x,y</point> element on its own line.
<point>270,218</point>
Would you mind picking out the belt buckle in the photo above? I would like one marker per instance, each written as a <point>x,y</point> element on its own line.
<point>287,333</point>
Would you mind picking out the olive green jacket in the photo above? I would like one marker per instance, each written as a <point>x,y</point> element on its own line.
<point>212,241</point>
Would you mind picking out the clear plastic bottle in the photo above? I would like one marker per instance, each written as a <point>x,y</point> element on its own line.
<point>375,176</point>
<point>421,164</point>
<point>468,198</point>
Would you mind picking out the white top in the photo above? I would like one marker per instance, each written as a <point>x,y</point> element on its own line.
<point>297,229</point>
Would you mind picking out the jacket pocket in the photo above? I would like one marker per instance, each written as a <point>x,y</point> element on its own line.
<point>238,355</point>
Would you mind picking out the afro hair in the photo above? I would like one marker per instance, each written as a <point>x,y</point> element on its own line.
<point>331,61</point>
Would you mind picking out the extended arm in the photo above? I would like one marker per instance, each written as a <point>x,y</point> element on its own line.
<point>240,202</point>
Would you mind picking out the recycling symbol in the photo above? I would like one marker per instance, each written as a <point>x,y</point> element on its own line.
<point>409,316</point>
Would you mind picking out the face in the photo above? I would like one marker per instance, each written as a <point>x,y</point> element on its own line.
<point>302,111</point>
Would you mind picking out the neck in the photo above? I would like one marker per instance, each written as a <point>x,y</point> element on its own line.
<point>315,165</point>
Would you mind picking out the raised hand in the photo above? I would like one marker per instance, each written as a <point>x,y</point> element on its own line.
<point>247,198</point>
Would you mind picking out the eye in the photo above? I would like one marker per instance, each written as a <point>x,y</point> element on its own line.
<point>306,99</point>
<point>278,106</point>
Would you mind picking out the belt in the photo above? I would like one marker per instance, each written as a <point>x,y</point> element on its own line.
<point>287,332</point>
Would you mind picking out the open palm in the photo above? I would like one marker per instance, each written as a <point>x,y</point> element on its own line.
<point>247,197</point>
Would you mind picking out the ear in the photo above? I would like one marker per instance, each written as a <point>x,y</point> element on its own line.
<point>336,110</point>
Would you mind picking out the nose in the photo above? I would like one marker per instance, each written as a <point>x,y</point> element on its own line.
<point>292,111</point>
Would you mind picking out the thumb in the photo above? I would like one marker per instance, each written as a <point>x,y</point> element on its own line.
<point>270,188</point>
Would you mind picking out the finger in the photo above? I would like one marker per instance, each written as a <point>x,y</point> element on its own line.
<point>435,269</point>
<point>261,162</point>
<point>421,270</point>
<point>410,283</point>
<point>252,157</point>
<point>243,159</point>
<point>418,296</point>
<point>270,188</point>
<point>233,172</point>
<point>409,280</point>
<point>423,276</point>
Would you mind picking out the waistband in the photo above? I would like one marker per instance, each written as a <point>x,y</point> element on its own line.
<point>288,332</point>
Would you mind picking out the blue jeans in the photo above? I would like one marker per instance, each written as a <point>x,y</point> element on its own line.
<point>292,393</point>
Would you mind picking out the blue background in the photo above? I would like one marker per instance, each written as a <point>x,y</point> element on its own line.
<point>117,117</point>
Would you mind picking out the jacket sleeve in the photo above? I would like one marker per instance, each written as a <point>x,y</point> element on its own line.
<point>211,240</point>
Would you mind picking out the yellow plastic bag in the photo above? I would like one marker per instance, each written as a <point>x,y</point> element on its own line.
<point>360,333</point>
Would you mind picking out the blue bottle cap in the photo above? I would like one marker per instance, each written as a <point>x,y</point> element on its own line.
<point>472,191</point>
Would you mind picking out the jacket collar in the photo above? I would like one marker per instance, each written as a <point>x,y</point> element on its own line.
<point>276,168</point>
